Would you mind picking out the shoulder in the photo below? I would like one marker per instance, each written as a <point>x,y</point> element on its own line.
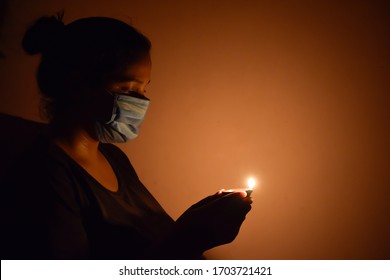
<point>44,166</point>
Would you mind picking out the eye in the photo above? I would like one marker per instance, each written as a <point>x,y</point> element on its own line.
<point>127,90</point>
<point>137,90</point>
<point>127,87</point>
<point>124,89</point>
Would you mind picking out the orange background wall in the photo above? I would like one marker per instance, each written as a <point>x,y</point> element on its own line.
<point>294,93</point>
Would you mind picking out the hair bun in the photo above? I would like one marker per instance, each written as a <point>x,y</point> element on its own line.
<point>43,34</point>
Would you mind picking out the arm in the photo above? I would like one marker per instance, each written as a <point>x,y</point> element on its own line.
<point>214,221</point>
<point>41,218</point>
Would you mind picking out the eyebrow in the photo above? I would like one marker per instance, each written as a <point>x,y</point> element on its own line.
<point>125,78</point>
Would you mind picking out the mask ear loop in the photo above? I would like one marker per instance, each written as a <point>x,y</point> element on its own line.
<point>114,107</point>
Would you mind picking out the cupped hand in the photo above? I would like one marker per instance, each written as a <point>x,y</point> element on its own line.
<point>215,220</point>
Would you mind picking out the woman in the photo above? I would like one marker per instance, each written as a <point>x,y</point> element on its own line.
<point>74,195</point>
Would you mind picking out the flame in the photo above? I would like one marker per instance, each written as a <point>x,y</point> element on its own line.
<point>251,183</point>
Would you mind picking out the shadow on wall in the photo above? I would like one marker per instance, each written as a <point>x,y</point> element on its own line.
<point>17,133</point>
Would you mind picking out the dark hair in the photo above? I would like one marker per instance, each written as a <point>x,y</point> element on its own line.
<point>81,55</point>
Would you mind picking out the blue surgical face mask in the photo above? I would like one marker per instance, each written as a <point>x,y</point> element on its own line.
<point>127,115</point>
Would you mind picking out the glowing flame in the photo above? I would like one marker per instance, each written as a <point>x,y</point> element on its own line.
<point>251,183</point>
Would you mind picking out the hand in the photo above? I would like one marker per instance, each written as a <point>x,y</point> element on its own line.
<point>215,220</point>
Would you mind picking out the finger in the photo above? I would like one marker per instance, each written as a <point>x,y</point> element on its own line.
<point>239,195</point>
<point>249,199</point>
<point>243,194</point>
<point>232,203</point>
<point>207,200</point>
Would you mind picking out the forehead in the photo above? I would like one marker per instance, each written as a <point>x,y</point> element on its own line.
<point>136,71</point>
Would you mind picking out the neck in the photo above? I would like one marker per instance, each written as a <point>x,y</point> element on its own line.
<point>77,141</point>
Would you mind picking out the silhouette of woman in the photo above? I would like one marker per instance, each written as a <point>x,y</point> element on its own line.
<point>73,194</point>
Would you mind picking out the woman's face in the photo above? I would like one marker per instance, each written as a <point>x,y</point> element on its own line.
<point>134,77</point>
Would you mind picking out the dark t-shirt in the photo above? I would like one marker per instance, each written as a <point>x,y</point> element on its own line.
<point>52,208</point>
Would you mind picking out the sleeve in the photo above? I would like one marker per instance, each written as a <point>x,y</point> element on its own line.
<point>41,215</point>
<point>67,236</point>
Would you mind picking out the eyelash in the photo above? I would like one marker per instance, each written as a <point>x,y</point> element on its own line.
<point>128,89</point>
<point>125,89</point>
